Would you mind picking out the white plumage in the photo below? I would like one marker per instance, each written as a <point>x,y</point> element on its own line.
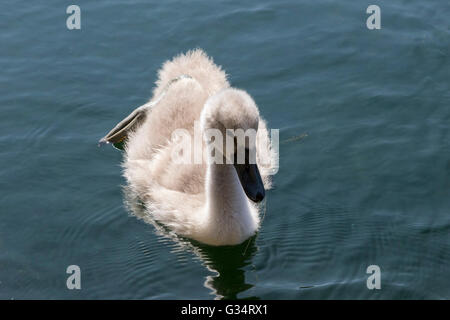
<point>205,202</point>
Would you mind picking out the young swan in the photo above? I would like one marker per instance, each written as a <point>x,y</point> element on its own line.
<point>211,202</point>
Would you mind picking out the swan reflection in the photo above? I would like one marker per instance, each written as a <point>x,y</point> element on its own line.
<point>228,264</point>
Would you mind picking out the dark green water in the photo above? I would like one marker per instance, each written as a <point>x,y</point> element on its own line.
<point>368,182</point>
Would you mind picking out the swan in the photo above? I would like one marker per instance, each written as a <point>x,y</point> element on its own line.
<point>211,202</point>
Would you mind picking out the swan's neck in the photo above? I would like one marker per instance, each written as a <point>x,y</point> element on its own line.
<point>224,192</point>
<point>227,208</point>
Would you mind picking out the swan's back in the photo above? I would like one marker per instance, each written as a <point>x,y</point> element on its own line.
<point>196,64</point>
<point>182,103</point>
<point>179,108</point>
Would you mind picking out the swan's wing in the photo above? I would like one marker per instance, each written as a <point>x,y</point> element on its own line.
<point>119,133</point>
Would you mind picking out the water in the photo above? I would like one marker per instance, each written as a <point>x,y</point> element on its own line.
<point>366,181</point>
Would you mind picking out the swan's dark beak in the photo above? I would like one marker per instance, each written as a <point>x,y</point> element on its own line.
<point>251,181</point>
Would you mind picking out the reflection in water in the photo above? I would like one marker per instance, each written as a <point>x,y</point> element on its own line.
<point>227,262</point>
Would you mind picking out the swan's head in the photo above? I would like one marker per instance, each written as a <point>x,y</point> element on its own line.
<point>234,115</point>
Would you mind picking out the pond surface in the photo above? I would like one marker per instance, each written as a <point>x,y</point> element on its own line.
<point>364,119</point>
